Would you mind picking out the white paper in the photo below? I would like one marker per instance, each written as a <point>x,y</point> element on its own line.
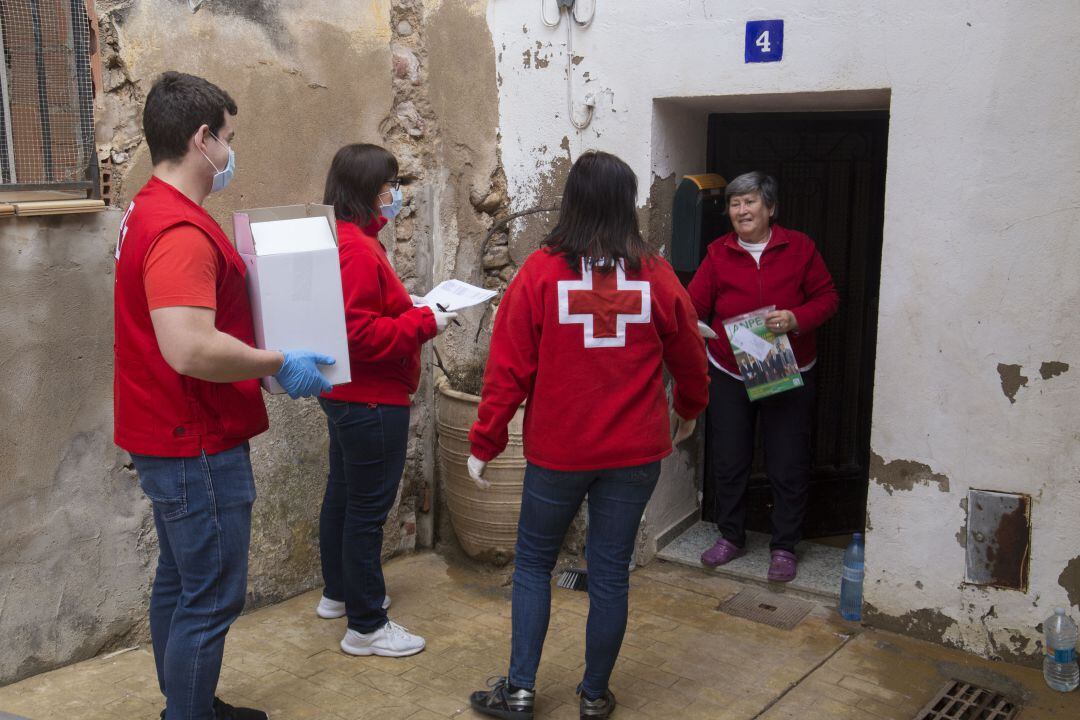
<point>287,236</point>
<point>751,344</point>
<point>454,295</point>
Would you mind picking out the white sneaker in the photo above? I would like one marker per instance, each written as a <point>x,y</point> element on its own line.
<point>391,640</point>
<point>332,609</point>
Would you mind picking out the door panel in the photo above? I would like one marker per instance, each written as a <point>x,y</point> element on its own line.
<point>831,171</point>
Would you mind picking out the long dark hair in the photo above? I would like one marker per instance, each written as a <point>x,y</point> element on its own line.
<point>356,175</point>
<point>598,217</point>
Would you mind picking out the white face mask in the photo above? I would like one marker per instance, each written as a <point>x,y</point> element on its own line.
<point>224,176</point>
<point>396,199</point>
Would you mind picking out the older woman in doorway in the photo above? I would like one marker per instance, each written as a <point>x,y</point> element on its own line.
<point>758,265</point>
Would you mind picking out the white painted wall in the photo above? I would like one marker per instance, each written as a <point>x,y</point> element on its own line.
<point>982,236</point>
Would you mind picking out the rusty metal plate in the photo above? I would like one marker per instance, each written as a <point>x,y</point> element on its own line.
<point>962,701</point>
<point>998,539</point>
<point>767,608</point>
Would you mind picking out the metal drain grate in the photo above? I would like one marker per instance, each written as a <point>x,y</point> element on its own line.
<point>767,608</point>
<point>963,701</point>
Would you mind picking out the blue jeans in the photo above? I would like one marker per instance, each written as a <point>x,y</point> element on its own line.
<point>367,458</point>
<point>202,512</point>
<point>549,502</point>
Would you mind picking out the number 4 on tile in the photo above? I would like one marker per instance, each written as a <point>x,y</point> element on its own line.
<point>764,41</point>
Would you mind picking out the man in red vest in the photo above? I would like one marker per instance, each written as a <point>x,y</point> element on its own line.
<point>186,389</point>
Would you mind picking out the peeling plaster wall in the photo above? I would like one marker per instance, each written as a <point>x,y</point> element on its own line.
<point>417,76</point>
<point>982,230</point>
<point>443,130</point>
<point>78,539</point>
<point>79,547</point>
<point>305,84</point>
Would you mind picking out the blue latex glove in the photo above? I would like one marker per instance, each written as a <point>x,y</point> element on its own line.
<point>300,375</point>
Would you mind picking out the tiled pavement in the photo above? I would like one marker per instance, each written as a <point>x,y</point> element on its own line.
<point>682,659</point>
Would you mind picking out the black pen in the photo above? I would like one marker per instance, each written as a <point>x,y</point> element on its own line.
<point>443,309</point>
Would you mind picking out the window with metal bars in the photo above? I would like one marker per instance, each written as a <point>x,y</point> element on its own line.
<point>47,118</point>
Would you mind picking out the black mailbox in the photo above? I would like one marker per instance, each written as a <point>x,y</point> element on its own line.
<point>697,218</point>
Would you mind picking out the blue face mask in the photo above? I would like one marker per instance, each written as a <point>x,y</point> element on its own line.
<point>222,177</point>
<point>390,211</point>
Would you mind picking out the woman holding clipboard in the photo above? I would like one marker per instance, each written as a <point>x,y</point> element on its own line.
<point>368,418</point>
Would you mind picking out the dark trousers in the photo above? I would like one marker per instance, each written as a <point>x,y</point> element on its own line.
<point>550,499</point>
<point>202,513</point>
<point>367,458</point>
<point>785,423</point>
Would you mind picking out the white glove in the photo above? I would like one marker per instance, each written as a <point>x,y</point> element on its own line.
<point>476,472</point>
<point>418,301</point>
<point>681,427</point>
<point>706,332</point>
<point>443,320</point>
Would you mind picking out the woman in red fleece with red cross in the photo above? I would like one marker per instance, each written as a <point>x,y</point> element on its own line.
<point>368,418</point>
<point>584,332</point>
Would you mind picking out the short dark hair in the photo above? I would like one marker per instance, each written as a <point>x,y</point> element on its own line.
<point>357,174</point>
<point>756,181</point>
<point>598,216</point>
<point>179,104</point>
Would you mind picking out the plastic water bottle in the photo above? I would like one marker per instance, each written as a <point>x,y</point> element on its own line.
<point>1059,665</point>
<point>852,582</point>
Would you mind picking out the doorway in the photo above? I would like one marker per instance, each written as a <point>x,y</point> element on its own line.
<point>830,167</point>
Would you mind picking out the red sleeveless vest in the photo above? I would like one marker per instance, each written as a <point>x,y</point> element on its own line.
<point>157,411</point>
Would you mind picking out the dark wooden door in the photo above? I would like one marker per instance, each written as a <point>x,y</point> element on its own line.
<point>831,172</point>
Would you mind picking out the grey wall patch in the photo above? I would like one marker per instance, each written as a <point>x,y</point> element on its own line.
<point>924,623</point>
<point>1052,369</point>
<point>1011,380</point>
<point>1070,580</point>
<point>999,539</point>
<point>904,474</point>
<point>265,14</point>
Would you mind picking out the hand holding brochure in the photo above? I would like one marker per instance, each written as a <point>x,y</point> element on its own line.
<point>766,361</point>
<point>454,295</point>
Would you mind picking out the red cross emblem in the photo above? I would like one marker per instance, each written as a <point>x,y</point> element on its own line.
<point>604,304</point>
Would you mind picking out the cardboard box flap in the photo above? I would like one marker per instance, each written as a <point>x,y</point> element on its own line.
<point>244,221</point>
<point>276,237</point>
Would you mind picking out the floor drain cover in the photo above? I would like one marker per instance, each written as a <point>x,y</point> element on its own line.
<point>767,608</point>
<point>962,701</point>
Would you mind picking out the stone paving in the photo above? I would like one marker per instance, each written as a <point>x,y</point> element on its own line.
<point>682,659</point>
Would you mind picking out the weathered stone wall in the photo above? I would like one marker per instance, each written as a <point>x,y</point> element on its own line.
<point>417,76</point>
<point>79,546</point>
<point>444,130</point>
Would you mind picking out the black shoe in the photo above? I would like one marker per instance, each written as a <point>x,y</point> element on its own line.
<point>501,703</point>
<point>224,711</point>
<point>601,708</point>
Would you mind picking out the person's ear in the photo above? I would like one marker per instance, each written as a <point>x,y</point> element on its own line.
<point>201,138</point>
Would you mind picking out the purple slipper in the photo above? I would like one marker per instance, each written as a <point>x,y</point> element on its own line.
<point>724,551</point>
<point>782,566</point>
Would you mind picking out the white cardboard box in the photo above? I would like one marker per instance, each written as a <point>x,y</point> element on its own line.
<point>294,282</point>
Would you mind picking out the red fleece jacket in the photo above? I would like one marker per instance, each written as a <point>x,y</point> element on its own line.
<point>792,276</point>
<point>385,331</point>
<point>588,351</point>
